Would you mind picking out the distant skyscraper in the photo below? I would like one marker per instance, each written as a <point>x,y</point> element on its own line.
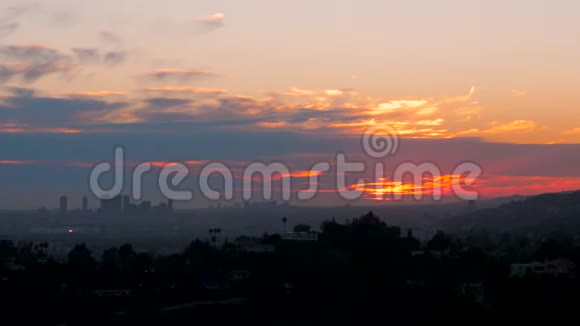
<point>85,204</point>
<point>63,206</point>
<point>170,205</point>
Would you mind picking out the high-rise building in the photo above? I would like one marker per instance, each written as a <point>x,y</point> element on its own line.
<point>63,205</point>
<point>170,205</point>
<point>85,204</point>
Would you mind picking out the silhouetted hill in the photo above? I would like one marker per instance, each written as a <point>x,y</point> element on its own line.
<point>495,202</point>
<point>543,213</point>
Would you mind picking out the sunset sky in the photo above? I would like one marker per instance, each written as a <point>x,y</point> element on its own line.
<point>492,82</point>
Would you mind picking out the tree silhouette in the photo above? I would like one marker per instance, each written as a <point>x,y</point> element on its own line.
<point>126,256</point>
<point>26,253</point>
<point>440,241</point>
<point>369,220</point>
<point>110,260</point>
<point>302,228</point>
<point>214,233</point>
<point>7,249</point>
<point>80,259</point>
<point>284,220</point>
<point>40,251</point>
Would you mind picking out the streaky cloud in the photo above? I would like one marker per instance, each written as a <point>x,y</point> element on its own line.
<point>9,28</point>
<point>87,55</point>
<point>27,110</point>
<point>32,62</point>
<point>110,38</point>
<point>114,58</point>
<point>178,75</point>
<point>210,23</point>
<point>186,90</point>
<point>31,73</point>
<point>101,93</point>
<point>35,54</point>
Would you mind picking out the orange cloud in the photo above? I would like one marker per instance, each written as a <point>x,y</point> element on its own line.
<point>299,92</point>
<point>427,111</point>
<point>159,164</point>
<point>436,122</point>
<point>15,162</point>
<point>293,174</point>
<point>272,125</point>
<point>468,132</point>
<point>195,162</point>
<point>333,92</point>
<point>571,132</point>
<point>189,90</point>
<point>33,130</point>
<point>486,186</point>
<point>497,186</point>
<point>519,92</point>
<point>396,105</point>
<point>514,126</point>
<point>305,174</point>
<point>343,111</point>
<point>99,93</point>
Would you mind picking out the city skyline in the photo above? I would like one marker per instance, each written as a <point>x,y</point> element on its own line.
<point>117,205</point>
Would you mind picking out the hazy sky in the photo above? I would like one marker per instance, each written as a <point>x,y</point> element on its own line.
<point>283,76</point>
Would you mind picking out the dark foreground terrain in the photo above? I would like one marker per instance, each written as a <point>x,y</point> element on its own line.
<point>348,273</point>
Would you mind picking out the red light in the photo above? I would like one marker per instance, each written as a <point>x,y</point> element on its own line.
<point>70,231</point>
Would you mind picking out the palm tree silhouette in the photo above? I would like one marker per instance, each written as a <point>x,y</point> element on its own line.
<point>284,220</point>
<point>214,234</point>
